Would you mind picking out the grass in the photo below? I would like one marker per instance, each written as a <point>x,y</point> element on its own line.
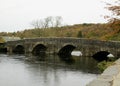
<point>104,64</point>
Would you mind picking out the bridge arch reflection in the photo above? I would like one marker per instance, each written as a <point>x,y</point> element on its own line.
<point>19,49</point>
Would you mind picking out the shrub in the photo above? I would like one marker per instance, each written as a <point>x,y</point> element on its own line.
<point>103,65</point>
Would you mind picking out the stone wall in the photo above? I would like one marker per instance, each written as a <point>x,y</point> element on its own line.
<point>110,77</point>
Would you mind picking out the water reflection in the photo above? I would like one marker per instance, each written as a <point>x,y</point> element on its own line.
<point>41,56</point>
<point>85,64</point>
<point>17,72</point>
<point>68,59</point>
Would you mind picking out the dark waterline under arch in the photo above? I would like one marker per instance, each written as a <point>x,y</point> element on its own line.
<point>66,50</point>
<point>101,56</point>
<point>39,50</point>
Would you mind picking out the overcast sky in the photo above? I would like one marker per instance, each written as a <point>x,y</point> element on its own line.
<point>16,15</point>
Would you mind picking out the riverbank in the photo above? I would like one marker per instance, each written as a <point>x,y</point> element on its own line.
<point>110,77</point>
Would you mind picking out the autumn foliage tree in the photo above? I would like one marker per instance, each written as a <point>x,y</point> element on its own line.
<point>114,18</point>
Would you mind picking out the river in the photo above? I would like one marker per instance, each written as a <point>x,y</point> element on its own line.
<point>52,71</point>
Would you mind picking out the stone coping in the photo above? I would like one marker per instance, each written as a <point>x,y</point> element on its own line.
<point>110,77</point>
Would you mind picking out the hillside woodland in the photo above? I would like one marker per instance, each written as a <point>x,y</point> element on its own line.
<point>91,31</point>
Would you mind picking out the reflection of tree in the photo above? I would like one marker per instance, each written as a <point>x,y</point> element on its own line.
<point>47,74</point>
<point>67,59</point>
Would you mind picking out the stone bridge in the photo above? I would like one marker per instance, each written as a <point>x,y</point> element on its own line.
<point>66,45</point>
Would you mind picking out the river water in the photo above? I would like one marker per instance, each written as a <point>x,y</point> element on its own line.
<point>52,71</point>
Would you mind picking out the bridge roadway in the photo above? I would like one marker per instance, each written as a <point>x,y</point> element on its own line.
<point>88,47</point>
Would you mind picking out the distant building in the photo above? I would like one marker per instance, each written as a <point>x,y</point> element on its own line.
<point>4,39</point>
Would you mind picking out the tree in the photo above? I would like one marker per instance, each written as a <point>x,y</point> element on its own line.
<point>37,24</point>
<point>114,18</point>
<point>115,10</point>
<point>58,21</point>
<point>47,22</point>
<point>79,35</point>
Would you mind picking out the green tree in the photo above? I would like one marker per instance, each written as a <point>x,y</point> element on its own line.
<point>79,35</point>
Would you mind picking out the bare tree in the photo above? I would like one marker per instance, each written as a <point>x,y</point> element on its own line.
<point>37,24</point>
<point>47,22</point>
<point>58,21</point>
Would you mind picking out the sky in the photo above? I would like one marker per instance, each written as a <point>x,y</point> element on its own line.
<point>16,15</point>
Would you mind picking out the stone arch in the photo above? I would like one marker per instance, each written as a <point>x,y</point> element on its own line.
<point>101,55</point>
<point>19,49</point>
<point>67,49</point>
<point>39,49</point>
